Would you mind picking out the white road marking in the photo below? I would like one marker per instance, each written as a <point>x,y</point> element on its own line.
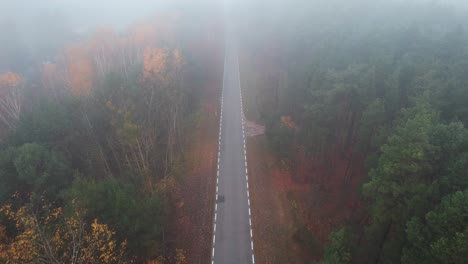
<point>219,160</point>
<point>246,169</point>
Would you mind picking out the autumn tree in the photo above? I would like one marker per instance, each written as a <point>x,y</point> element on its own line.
<point>162,72</point>
<point>80,70</point>
<point>11,86</point>
<point>137,216</point>
<point>104,128</point>
<point>44,234</point>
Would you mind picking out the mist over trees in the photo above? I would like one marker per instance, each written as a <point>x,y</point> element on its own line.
<point>363,101</point>
<point>377,94</point>
<point>95,119</point>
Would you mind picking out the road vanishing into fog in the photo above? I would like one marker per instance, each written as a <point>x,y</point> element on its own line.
<point>232,230</point>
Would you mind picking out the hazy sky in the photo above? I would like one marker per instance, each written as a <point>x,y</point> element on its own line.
<point>82,13</point>
<point>119,13</point>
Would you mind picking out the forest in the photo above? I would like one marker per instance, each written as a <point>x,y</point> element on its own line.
<point>94,130</point>
<point>109,130</point>
<point>365,103</point>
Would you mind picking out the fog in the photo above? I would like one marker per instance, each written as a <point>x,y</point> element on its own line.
<point>81,15</point>
<point>35,30</point>
<point>355,116</point>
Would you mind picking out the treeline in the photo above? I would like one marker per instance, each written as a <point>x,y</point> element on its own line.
<point>380,90</point>
<point>93,141</point>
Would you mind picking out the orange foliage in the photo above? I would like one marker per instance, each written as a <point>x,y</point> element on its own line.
<point>80,70</point>
<point>288,122</point>
<point>155,61</point>
<point>9,80</point>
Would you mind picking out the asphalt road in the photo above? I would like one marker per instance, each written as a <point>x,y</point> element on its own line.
<point>232,236</point>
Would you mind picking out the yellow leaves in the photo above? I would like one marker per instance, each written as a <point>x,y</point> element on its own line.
<point>101,236</point>
<point>52,236</point>
<point>22,248</point>
<point>155,61</point>
<point>180,256</point>
<point>162,65</point>
<point>80,70</point>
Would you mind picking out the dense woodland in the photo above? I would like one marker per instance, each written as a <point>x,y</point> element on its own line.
<point>94,129</point>
<point>369,100</point>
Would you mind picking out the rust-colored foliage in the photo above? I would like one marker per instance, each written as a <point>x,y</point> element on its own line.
<point>9,79</point>
<point>80,70</point>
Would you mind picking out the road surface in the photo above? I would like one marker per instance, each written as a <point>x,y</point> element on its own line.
<point>232,234</point>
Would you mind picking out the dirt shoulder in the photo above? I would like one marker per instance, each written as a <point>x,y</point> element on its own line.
<point>274,223</point>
